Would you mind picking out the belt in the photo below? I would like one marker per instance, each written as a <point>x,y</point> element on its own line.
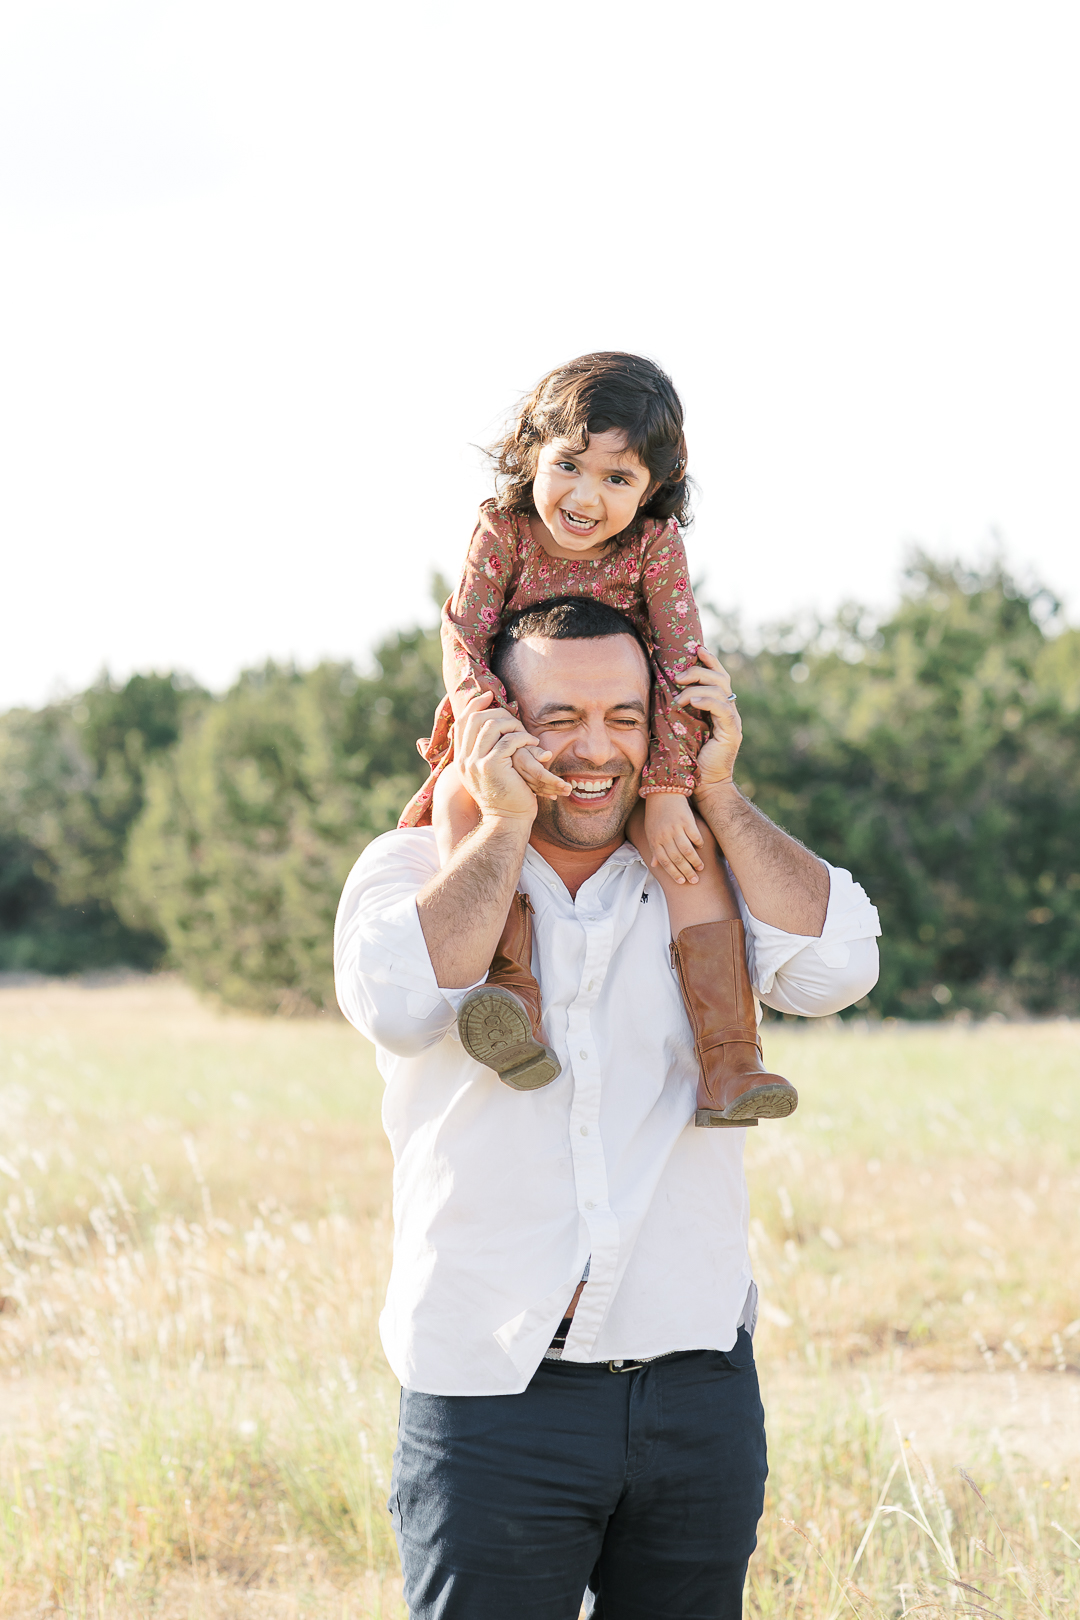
<point>554,1352</point>
<point>630,1365</point>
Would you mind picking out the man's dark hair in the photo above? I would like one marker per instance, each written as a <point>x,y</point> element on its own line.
<point>564,618</point>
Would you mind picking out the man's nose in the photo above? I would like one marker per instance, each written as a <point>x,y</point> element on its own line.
<point>592,744</point>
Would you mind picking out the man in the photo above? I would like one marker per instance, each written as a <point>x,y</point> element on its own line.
<point>628,1457</point>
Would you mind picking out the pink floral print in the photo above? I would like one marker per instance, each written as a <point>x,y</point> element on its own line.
<point>506,570</point>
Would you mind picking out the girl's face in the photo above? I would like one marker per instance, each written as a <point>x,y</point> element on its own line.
<point>586,497</point>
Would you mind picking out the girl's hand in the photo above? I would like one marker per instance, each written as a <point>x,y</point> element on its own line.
<point>529,763</point>
<point>673,836</point>
<point>707,688</point>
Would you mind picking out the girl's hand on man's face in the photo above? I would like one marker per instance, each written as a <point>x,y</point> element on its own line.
<point>529,763</point>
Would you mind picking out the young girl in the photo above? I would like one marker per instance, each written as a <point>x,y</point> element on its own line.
<point>593,477</point>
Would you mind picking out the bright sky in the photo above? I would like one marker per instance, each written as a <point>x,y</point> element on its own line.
<point>269,271</point>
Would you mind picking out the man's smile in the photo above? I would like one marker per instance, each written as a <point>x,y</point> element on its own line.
<point>591,789</point>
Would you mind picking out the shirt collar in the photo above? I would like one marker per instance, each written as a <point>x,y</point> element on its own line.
<point>625,855</point>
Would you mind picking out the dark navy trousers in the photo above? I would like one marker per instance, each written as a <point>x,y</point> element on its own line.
<point>639,1490</point>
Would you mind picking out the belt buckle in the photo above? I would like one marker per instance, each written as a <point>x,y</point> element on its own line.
<point>624,1366</point>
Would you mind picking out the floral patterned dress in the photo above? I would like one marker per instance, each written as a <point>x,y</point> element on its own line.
<point>506,570</point>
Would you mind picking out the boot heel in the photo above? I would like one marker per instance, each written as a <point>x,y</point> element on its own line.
<point>709,1116</point>
<point>539,1069</point>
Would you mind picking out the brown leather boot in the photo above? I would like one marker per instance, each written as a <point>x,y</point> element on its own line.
<point>499,1022</point>
<point>734,1087</point>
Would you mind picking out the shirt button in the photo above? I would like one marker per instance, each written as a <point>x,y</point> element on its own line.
<point>589,1204</point>
<point>583,1053</point>
<point>584,1130</point>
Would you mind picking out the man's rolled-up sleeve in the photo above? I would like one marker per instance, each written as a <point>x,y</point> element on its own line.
<point>798,973</point>
<point>385,982</point>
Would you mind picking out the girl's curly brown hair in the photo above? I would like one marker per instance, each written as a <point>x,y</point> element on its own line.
<point>595,394</point>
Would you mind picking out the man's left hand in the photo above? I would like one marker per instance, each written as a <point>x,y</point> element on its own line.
<point>782,882</point>
<point>707,687</point>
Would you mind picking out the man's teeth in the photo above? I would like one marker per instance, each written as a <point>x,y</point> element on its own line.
<point>591,790</point>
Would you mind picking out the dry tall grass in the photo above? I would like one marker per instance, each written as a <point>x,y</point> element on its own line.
<point>198,1421</point>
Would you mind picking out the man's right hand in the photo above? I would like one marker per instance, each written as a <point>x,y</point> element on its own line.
<point>463,908</point>
<point>485,742</point>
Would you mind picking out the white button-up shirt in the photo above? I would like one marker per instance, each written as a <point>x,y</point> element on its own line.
<point>501,1196</point>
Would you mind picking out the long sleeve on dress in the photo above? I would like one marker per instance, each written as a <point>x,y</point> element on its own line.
<point>675,633</point>
<point>471,618</point>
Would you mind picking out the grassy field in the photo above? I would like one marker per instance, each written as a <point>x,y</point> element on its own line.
<point>196,1419</point>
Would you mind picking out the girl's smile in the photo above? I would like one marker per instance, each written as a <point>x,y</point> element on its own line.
<point>584,498</point>
<point>574,523</point>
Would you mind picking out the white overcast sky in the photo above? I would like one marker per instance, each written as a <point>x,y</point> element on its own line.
<point>268,272</point>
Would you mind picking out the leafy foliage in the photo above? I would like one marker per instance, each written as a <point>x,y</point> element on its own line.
<point>936,755</point>
<point>72,781</point>
<point>254,819</point>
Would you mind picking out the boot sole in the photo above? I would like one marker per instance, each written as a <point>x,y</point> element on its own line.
<point>762,1102</point>
<point>495,1030</point>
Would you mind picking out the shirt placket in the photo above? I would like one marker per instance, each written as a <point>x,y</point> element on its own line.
<point>586,1147</point>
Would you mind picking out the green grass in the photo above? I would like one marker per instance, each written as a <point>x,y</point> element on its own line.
<point>197,1419</point>
<point>943,1165</point>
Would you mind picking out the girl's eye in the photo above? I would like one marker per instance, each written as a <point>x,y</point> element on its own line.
<point>616,478</point>
<point>566,466</point>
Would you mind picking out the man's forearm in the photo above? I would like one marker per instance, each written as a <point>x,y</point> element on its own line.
<point>782,882</point>
<point>463,908</point>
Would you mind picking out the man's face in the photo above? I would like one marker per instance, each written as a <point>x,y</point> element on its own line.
<point>588,701</point>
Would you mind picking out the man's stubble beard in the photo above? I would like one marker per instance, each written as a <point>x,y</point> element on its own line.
<point>579,828</point>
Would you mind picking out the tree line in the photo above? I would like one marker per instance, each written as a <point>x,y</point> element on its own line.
<point>935,754</point>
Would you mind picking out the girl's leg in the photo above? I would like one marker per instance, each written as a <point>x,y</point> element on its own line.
<point>499,1022</point>
<point>734,1087</point>
<point>453,811</point>
<point>710,899</point>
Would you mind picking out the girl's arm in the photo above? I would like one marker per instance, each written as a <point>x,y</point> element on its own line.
<point>470,621</point>
<point>471,617</point>
<point>677,735</point>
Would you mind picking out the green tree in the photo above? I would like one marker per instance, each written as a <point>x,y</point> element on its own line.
<point>937,756</point>
<point>254,819</point>
<point>71,785</point>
